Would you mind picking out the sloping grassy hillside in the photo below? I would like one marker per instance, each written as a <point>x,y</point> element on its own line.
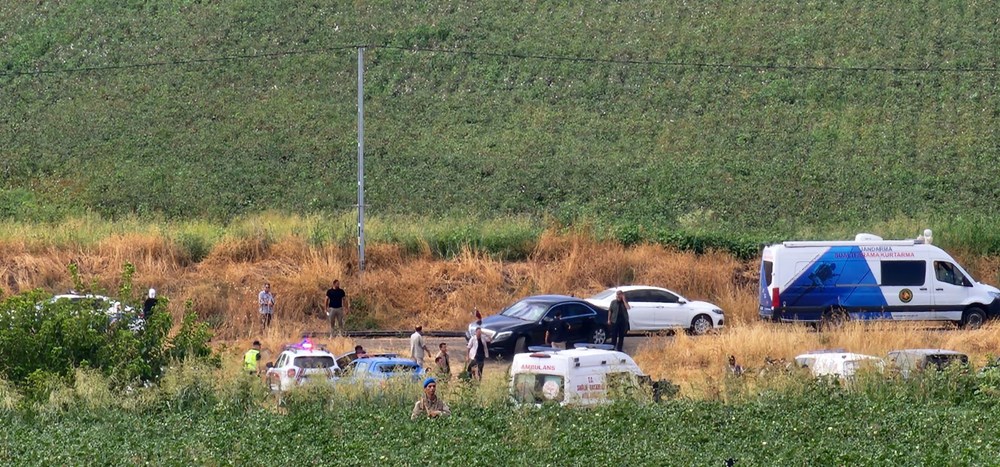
<point>725,116</point>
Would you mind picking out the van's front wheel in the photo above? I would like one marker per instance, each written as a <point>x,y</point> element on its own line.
<point>973,318</point>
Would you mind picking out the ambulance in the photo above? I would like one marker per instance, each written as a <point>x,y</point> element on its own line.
<point>588,375</point>
<point>871,279</point>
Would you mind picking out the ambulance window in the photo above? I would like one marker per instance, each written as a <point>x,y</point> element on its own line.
<point>904,273</point>
<point>949,274</point>
<point>767,269</point>
<point>536,388</point>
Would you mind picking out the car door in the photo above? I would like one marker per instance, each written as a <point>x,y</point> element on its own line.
<point>951,290</point>
<point>642,314</point>
<point>578,317</point>
<point>668,311</point>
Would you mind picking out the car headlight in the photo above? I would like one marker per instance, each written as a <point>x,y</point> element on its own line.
<point>718,310</point>
<point>995,295</point>
<point>501,336</point>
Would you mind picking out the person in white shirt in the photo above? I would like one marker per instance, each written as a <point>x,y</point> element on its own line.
<point>417,347</point>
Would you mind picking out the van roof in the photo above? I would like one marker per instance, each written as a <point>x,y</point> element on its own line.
<point>580,357</point>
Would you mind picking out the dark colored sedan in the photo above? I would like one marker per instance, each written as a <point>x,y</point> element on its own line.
<point>524,323</point>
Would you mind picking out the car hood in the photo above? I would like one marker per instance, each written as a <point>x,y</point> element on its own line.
<point>498,323</point>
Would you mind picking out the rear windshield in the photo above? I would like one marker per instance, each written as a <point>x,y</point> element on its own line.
<point>317,361</point>
<point>603,295</point>
<point>396,368</point>
<point>528,311</point>
<point>537,388</point>
<point>766,269</point>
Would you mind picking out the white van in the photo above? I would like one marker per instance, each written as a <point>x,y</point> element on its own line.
<point>588,375</point>
<point>843,365</point>
<point>871,278</point>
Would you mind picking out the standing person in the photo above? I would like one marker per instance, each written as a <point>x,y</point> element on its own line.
<point>149,303</point>
<point>336,307</point>
<point>618,320</point>
<point>266,301</point>
<point>442,361</point>
<point>478,353</point>
<point>417,347</point>
<point>555,334</point>
<point>429,404</point>
<point>251,360</point>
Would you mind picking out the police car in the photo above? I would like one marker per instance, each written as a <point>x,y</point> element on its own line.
<point>378,370</point>
<point>587,375</point>
<point>301,363</point>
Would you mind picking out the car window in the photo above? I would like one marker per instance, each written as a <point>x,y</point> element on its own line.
<point>659,296</point>
<point>315,361</point>
<point>281,360</point>
<point>569,310</point>
<point>949,274</point>
<point>528,311</point>
<point>636,295</point>
<point>903,273</point>
<point>358,366</point>
<point>396,368</point>
<point>538,388</point>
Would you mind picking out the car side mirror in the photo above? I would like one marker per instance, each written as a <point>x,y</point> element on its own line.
<point>269,365</point>
<point>681,301</point>
<point>547,319</point>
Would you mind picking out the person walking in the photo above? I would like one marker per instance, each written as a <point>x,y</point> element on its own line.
<point>430,405</point>
<point>336,307</point>
<point>265,299</point>
<point>417,347</point>
<point>251,360</point>
<point>618,320</point>
<point>478,353</point>
<point>442,361</point>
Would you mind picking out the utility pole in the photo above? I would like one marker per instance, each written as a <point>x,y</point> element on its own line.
<point>361,159</point>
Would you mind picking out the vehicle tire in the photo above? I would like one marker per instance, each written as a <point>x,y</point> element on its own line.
<point>973,318</point>
<point>521,346</point>
<point>599,336</point>
<point>701,324</point>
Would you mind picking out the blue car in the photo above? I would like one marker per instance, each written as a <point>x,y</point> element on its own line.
<point>379,369</point>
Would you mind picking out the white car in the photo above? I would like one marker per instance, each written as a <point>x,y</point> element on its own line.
<point>300,363</point>
<point>656,308</point>
<point>838,363</point>
<point>112,308</point>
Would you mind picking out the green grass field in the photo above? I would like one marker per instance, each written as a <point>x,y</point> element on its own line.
<point>726,118</point>
<point>822,425</point>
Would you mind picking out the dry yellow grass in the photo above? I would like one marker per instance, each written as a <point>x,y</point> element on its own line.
<point>399,290</point>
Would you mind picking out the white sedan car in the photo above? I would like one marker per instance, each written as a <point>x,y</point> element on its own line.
<point>655,308</point>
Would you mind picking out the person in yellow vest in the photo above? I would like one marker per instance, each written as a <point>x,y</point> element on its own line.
<point>251,359</point>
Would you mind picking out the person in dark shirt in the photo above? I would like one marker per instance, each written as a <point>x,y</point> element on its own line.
<point>149,303</point>
<point>336,307</point>
<point>556,334</point>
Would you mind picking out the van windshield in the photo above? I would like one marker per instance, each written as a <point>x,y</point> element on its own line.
<point>528,311</point>
<point>531,388</point>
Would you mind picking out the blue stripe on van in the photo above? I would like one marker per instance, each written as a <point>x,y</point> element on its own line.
<point>840,277</point>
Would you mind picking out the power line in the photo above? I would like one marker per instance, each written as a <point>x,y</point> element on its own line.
<point>168,63</point>
<point>509,55</point>
<point>751,66</point>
